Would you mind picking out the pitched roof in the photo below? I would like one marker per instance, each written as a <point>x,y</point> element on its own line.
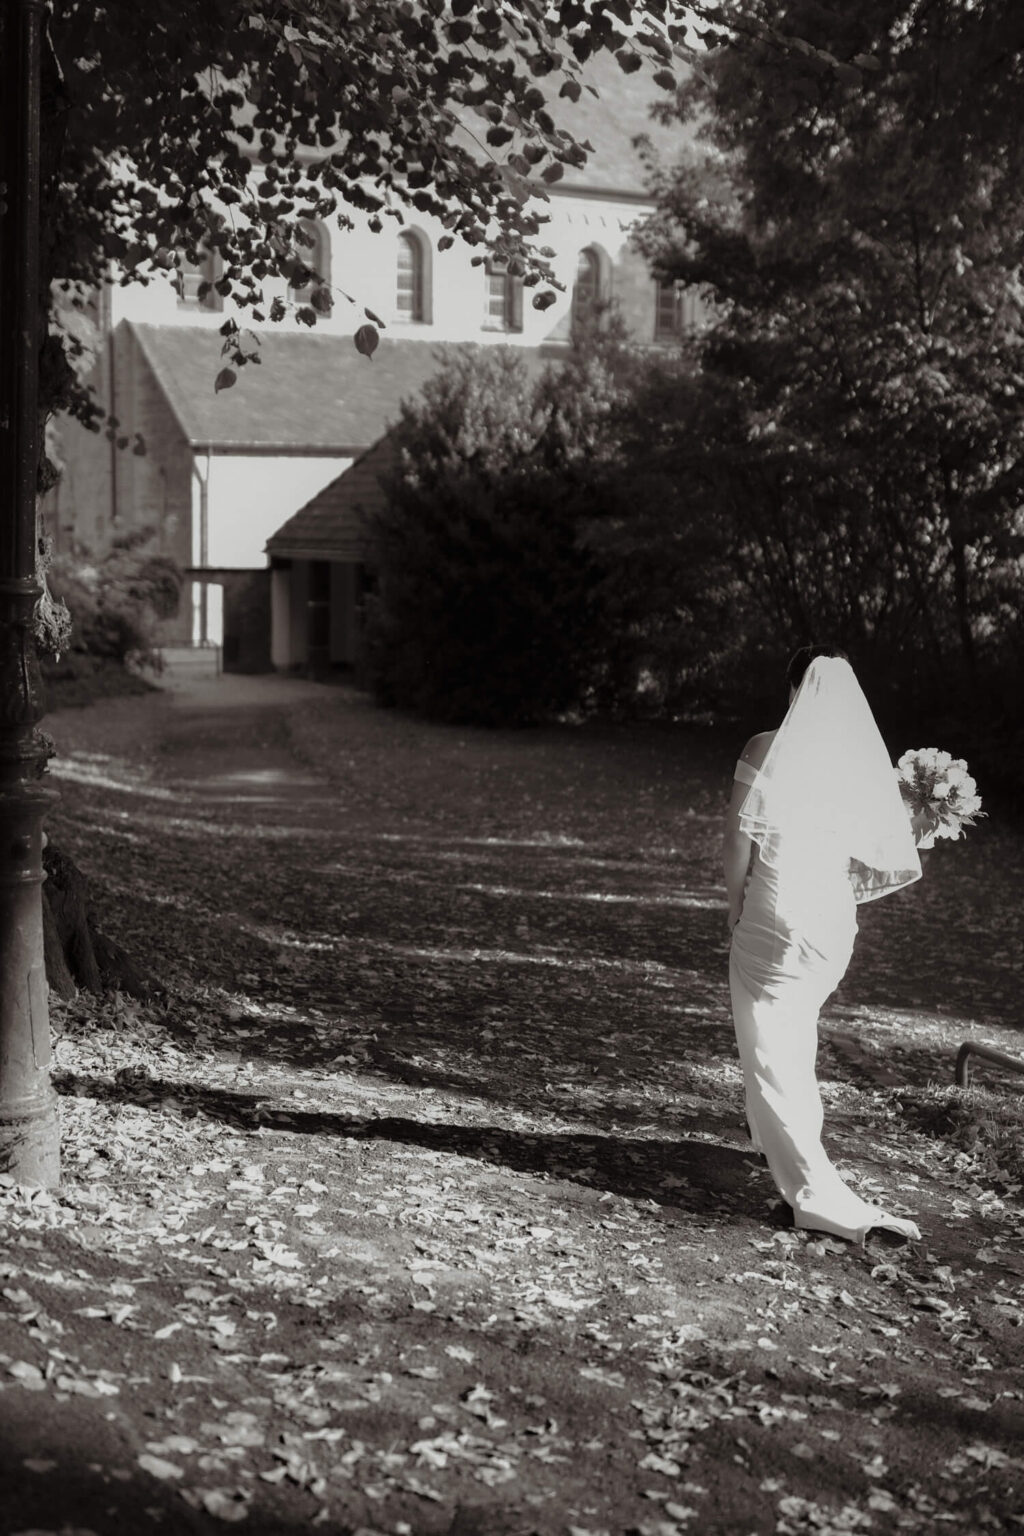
<point>613,109</point>
<point>311,394</point>
<point>332,526</point>
<point>610,121</point>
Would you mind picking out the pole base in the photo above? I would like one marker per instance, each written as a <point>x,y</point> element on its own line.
<point>30,1142</point>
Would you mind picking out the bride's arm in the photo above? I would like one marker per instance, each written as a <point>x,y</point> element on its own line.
<point>736,847</point>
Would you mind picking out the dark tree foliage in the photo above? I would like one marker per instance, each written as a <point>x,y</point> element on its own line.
<point>669,589</point>
<point>487,608</point>
<point>861,241</point>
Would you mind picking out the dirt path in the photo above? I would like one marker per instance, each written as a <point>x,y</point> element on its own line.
<point>422,1205</point>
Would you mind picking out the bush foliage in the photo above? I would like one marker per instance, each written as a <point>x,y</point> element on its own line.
<point>116,604</point>
<point>488,607</point>
<point>538,554</point>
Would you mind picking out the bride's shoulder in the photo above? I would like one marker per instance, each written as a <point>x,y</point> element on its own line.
<point>756,749</point>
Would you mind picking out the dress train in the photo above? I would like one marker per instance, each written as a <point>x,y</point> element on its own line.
<point>789,951</point>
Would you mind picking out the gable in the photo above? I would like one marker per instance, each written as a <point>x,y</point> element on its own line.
<point>331,526</point>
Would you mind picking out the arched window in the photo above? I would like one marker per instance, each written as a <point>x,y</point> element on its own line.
<point>586,293</point>
<point>503,298</point>
<point>310,270</point>
<point>195,281</point>
<point>675,310</point>
<point>409,289</point>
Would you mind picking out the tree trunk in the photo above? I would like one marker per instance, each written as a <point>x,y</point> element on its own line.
<point>78,955</point>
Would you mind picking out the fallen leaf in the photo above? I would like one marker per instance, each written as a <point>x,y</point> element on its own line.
<point>28,1374</point>
<point>156,1466</point>
<point>225,1504</point>
<point>654,1463</point>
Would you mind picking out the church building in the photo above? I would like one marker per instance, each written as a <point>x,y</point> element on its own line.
<point>255,490</point>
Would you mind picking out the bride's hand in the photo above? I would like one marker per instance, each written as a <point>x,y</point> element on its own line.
<point>923,825</point>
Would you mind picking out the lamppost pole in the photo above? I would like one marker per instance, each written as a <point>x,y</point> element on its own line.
<point>29,1137</point>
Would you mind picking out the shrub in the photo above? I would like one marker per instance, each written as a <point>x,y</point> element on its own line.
<point>487,605</point>
<point>116,602</point>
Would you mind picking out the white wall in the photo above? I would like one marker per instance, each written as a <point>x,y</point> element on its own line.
<point>280,618</point>
<point>211,595</point>
<point>363,267</point>
<point>249,497</point>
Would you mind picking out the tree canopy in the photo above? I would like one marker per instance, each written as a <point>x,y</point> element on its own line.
<point>861,242</point>
<point>170,130</point>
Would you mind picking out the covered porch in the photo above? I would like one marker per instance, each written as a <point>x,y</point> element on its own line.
<point>321,572</point>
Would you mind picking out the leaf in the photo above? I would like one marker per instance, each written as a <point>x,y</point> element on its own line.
<point>460,31</point>
<point>277,1253</point>
<point>600,1373</point>
<point>422,1491</point>
<point>239,1428</point>
<point>224,380</point>
<point>988,1455</point>
<point>225,1504</point>
<point>652,1462</point>
<point>28,1374</point>
<point>82,1388</point>
<point>156,1466</point>
<point>181,1445</point>
<point>367,339</point>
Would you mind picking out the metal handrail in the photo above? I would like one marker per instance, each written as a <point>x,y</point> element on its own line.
<point>970,1048</point>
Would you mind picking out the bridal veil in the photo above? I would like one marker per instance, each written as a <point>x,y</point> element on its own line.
<point>828,776</point>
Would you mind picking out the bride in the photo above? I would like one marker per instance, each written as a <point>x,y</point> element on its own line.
<point>815,825</point>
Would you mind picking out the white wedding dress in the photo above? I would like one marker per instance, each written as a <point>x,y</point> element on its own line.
<point>789,952</point>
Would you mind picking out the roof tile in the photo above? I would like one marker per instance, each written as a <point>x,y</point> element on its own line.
<point>310,394</point>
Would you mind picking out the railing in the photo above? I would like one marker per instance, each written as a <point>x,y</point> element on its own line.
<point>969,1048</point>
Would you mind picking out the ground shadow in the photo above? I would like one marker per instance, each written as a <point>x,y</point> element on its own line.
<point>686,1173</point>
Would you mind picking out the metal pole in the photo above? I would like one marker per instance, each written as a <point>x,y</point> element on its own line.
<point>204,553</point>
<point>29,1136</point>
<point>986,1052</point>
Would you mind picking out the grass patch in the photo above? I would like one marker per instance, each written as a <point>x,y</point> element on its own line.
<point>79,680</point>
<point>988,1123</point>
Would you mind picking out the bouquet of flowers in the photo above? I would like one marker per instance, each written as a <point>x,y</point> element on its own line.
<point>939,793</point>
